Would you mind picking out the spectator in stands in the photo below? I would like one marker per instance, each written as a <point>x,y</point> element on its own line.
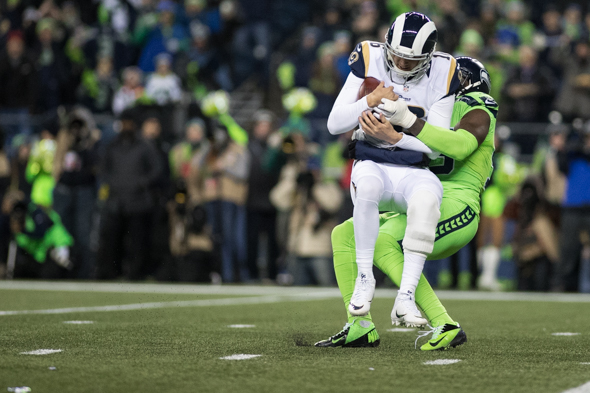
<point>572,22</point>
<point>52,67</point>
<point>306,56</point>
<point>98,86</point>
<point>514,31</point>
<point>17,86</point>
<point>365,22</point>
<point>573,99</point>
<point>575,219</point>
<point>325,82</point>
<point>202,63</point>
<point>261,214</point>
<point>74,168</point>
<point>167,37</point>
<point>550,38</point>
<point>342,48</point>
<point>488,21</point>
<point>449,24</point>
<point>535,242</point>
<point>130,168</point>
<point>131,91</point>
<point>530,88</point>
<point>163,86</point>
<point>252,41</point>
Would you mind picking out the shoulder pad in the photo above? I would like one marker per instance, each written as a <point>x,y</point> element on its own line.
<point>358,61</point>
<point>476,98</point>
<point>448,67</point>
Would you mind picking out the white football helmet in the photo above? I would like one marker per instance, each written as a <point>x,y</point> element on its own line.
<point>412,36</point>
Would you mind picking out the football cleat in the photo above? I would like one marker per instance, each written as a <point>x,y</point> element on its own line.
<point>354,335</point>
<point>443,337</point>
<point>405,312</point>
<point>364,290</point>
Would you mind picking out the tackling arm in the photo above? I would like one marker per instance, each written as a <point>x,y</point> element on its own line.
<point>470,132</point>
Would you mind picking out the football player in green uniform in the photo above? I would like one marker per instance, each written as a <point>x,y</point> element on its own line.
<point>463,169</point>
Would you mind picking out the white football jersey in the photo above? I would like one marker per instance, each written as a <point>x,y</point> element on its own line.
<point>440,81</point>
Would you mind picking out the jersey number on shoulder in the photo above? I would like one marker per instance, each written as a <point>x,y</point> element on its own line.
<point>443,165</point>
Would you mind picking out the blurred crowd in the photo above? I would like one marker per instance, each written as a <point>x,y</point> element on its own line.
<point>121,157</point>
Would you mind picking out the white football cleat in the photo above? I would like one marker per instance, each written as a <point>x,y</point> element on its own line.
<point>364,290</point>
<point>405,312</point>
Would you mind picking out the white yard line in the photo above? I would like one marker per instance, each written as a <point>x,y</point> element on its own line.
<point>185,303</point>
<point>585,388</point>
<point>253,290</point>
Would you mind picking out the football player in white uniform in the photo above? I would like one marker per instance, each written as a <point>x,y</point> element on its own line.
<point>408,65</point>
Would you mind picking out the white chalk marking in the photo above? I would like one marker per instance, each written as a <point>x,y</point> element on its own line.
<point>52,368</point>
<point>78,322</point>
<point>371,369</point>
<point>401,330</point>
<point>584,362</point>
<point>252,290</point>
<point>241,326</point>
<point>441,362</point>
<point>41,352</point>
<point>239,356</point>
<point>585,388</point>
<point>185,303</point>
<point>565,334</point>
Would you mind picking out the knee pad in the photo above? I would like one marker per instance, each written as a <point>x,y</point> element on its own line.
<point>423,215</point>
<point>368,188</point>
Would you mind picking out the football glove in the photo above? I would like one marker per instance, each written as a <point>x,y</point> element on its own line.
<point>397,112</point>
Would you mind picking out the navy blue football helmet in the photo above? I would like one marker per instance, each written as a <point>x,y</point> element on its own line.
<point>473,75</point>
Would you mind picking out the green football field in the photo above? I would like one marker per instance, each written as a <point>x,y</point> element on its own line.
<point>173,338</point>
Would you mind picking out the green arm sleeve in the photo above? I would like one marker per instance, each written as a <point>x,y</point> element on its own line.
<point>236,133</point>
<point>457,145</point>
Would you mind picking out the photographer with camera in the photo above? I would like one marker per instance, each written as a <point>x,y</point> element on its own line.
<point>74,171</point>
<point>43,244</point>
<point>191,244</point>
<point>574,162</point>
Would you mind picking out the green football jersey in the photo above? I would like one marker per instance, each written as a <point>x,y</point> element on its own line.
<point>465,180</point>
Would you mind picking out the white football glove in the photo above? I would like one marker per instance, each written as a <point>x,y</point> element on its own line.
<point>61,256</point>
<point>397,112</point>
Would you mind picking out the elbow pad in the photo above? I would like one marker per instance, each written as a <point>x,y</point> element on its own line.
<point>457,145</point>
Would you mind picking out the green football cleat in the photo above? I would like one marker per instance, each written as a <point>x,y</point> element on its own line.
<point>356,334</point>
<point>444,337</point>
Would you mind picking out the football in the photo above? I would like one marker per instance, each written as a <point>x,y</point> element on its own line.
<point>367,87</point>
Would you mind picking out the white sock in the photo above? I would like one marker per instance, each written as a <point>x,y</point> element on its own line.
<point>490,263</point>
<point>366,222</point>
<point>366,230</point>
<point>413,266</point>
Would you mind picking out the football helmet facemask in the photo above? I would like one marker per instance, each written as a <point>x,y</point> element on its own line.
<point>473,76</point>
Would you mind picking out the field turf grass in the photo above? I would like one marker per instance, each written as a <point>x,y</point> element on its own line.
<point>510,345</point>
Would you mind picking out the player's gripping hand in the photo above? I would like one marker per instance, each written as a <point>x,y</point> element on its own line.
<point>380,92</point>
<point>379,127</point>
<point>397,112</point>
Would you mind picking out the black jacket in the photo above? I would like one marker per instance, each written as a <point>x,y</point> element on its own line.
<point>17,82</point>
<point>131,168</point>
